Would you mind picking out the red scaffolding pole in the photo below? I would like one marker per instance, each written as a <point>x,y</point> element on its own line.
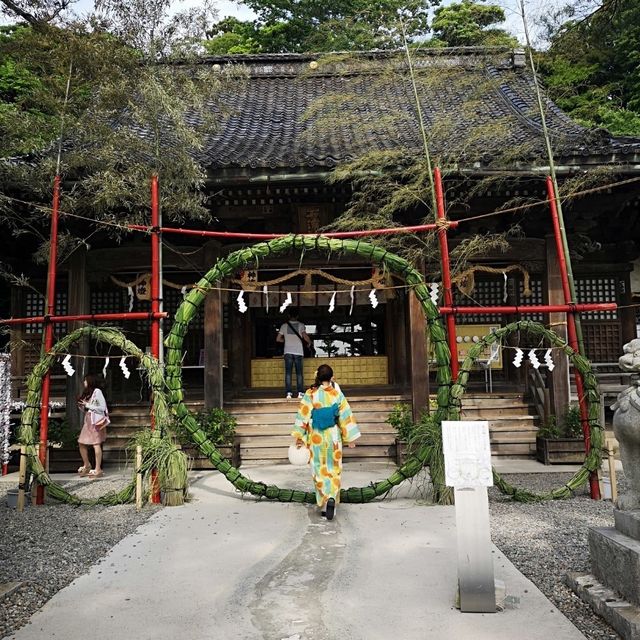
<point>155,316</point>
<point>48,331</point>
<point>446,270</point>
<point>572,334</point>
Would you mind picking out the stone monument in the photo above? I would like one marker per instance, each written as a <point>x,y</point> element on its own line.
<point>613,587</point>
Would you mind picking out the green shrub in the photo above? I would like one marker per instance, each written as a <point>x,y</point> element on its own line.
<point>218,425</point>
<point>401,419</point>
<point>569,426</point>
<point>61,431</point>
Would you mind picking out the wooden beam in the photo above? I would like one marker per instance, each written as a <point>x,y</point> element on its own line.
<point>560,389</point>
<point>213,352</point>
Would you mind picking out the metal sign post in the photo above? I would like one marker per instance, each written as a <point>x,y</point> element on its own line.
<point>467,461</point>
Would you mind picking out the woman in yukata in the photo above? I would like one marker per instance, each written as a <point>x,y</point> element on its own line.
<point>324,422</point>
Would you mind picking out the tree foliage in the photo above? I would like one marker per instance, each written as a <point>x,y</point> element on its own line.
<point>469,23</point>
<point>592,67</point>
<point>307,25</point>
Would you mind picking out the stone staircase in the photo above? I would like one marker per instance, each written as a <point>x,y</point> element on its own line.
<point>264,425</point>
<point>513,424</point>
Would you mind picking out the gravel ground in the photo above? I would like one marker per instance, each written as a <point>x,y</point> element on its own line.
<point>547,540</point>
<point>544,541</point>
<point>46,548</point>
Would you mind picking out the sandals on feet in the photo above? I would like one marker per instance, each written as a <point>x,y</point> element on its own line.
<point>331,508</point>
<point>93,474</point>
<point>83,471</point>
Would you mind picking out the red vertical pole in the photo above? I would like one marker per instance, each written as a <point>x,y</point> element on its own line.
<point>48,330</point>
<point>571,332</point>
<point>446,272</point>
<point>155,302</point>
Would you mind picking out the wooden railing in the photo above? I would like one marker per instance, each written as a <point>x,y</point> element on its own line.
<point>539,393</point>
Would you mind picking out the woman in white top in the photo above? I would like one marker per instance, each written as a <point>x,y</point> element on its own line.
<point>94,427</point>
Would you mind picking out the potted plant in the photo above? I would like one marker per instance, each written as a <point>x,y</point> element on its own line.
<point>401,419</point>
<point>220,428</point>
<point>561,441</point>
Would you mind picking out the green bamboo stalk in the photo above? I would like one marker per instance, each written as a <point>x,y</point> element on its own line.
<point>554,177</point>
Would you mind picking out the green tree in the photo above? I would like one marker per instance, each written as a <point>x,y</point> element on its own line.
<point>129,113</point>
<point>592,67</point>
<point>307,25</point>
<point>468,23</point>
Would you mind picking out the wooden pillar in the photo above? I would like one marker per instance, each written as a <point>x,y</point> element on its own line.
<point>213,352</point>
<point>78,302</point>
<point>418,356</point>
<point>628,315</point>
<point>560,389</point>
<point>396,339</point>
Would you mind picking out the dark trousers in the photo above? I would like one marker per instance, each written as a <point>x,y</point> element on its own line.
<point>289,360</point>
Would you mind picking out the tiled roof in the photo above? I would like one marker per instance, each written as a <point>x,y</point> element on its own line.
<point>476,102</point>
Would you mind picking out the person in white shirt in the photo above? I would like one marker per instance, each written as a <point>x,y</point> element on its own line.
<point>293,333</point>
<point>94,427</point>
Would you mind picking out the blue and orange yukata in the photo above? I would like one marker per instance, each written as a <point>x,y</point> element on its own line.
<point>325,446</point>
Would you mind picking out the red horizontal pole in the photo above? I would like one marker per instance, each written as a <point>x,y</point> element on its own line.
<point>272,236</point>
<point>100,317</point>
<point>534,308</point>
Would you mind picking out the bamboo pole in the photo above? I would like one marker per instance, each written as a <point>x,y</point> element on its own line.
<point>572,335</point>
<point>138,477</point>
<point>273,236</point>
<point>552,170</point>
<point>155,304</point>
<point>22,477</point>
<point>48,330</point>
<point>83,317</point>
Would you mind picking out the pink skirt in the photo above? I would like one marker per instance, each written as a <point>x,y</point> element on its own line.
<point>90,434</point>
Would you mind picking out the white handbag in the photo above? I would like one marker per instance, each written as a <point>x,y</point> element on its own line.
<point>298,456</point>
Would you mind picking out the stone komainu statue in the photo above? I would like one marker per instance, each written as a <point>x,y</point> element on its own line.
<point>626,426</point>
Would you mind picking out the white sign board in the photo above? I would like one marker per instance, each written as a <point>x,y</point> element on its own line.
<point>467,453</point>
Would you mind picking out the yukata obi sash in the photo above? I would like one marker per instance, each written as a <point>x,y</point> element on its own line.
<point>325,417</point>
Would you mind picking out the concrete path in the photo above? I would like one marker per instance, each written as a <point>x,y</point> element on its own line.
<point>224,566</point>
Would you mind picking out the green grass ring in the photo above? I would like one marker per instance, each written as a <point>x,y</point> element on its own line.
<point>225,268</point>
<point>593,456</point>
<point>30,420</point>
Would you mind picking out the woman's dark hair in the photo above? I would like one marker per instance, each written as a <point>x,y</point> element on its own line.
<point>323,374</point>
<point>92,385</point>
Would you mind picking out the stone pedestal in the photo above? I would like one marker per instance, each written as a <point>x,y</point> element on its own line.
<point>613,587</point>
